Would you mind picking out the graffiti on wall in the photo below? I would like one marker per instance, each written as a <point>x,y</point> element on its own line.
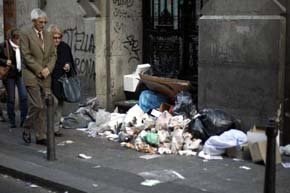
<point>127,3</point>
<point>132,45</point>
<point>124,14</point>
<point>83,48</point>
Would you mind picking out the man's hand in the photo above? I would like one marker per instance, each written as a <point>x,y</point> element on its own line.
<point>45,72</point>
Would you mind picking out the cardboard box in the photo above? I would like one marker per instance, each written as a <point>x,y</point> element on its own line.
<point>258,146</point>
<point>167,86</point>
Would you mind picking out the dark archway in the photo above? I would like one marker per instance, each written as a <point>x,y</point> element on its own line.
<point>171,38</point>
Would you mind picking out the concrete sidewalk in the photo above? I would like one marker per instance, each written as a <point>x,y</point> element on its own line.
<point>114,169</point>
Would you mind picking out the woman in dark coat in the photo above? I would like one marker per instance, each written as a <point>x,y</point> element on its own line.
<point>64,65</point>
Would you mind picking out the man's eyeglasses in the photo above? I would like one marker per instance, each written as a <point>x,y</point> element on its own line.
<point>57,37</point>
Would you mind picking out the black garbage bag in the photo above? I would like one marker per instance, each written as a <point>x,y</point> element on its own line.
<point>184,105</point>
<point>197,129</point>
<point>216,121</point>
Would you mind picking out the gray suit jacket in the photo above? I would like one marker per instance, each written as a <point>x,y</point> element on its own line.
<point>37,58</point>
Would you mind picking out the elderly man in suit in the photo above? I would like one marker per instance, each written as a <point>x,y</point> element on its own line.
<point>40,55</point>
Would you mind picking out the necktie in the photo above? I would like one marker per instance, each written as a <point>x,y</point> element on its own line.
<point>41,40</point>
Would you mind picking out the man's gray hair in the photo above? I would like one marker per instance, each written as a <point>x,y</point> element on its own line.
<point>37,13</point>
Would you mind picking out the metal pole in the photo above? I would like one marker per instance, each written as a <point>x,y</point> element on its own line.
<point>50,130</point>
<point>270,173</point>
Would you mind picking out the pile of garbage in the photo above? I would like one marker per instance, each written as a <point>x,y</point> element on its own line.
<point>180,129</point>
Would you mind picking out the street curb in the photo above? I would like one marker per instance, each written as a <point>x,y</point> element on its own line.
<point>38,180</point>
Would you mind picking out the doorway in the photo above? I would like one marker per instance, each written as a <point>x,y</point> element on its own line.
<point>170,29</point>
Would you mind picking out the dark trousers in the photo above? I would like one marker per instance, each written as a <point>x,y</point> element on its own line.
<point>11,83</point>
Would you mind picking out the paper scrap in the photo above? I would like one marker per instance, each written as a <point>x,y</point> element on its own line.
<point>42,151</point>
<point>65,142</point>
<point>209,157</point>
<point>82,129</point>
<point>148,156</point>
<point>245,167</point>
<point>150,182</point>
<point>95,185</point>
<point>83,156</point>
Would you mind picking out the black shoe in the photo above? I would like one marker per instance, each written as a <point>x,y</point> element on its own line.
<point>26,137</point>
<point>58,134</point>
<point>41,142</point>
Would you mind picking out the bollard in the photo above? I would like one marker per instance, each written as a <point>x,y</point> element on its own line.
<point>50,130</point>
<point>270,170</point>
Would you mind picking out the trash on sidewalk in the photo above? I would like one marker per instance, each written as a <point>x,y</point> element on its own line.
<point>161,175</point>
<point>83,156</point>
<point>42,151</point>
<point>150,182</point>
<point>33,186</point>
<point>245,167</point>
<point>148,156</point>
<point>63,143</point>
<point>211,122</point>
<point>257,141</point>
<point>286,164</point>
<point>217,145</point>
<point>209,157</point>
<point>149,100</point>
<point>167,86</point>
<point>285,150</point>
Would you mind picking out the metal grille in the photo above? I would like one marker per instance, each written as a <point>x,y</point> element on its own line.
<point>171,38</point>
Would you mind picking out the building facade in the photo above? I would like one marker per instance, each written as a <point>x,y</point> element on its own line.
<point>234,52</point>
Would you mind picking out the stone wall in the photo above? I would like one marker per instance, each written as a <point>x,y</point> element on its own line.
<point>126,42</point>
<point>120,49</point>
<point>242,58</point>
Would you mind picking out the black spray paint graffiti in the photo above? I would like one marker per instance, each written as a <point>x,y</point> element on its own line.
<point>82,44</point>
<point>133,47</point>
<point>121,13</point>
<point>128,3</point>
<point>79,41</point>
<point>86,67</point>
<point>118,27</point>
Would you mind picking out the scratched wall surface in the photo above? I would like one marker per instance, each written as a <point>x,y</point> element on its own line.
<point>125,41</point>
<point>240,59</point>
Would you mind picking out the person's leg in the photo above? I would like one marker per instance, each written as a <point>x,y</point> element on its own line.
<point>11,101</point>
<point>22,100</point>
<point>35,117</point>
<point>57,117</point>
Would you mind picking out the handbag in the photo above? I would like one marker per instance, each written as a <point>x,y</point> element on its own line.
<point>71,88</point>
<point>4,72</point>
